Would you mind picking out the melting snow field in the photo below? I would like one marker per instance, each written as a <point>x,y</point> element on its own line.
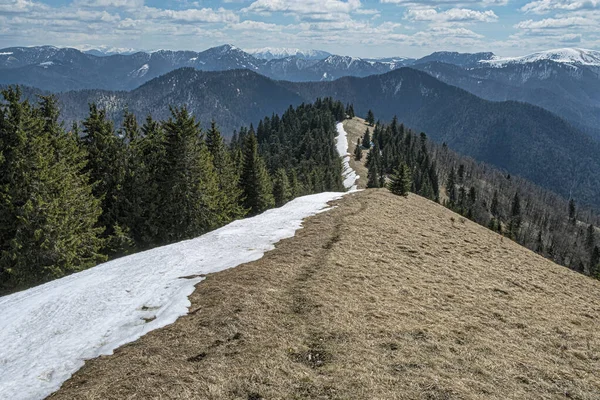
<point>47,332</point>
<point>348,173</point>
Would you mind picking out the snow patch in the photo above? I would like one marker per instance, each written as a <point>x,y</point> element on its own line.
<point>565,56</point>
<point>349,175</point>
<point>6,53</point>
<point>138,73</point>
<point>46,64</point>
<point>50,330</point>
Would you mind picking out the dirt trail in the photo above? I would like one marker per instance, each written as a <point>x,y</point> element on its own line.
<point>382,297</point>
<point>355,128</point>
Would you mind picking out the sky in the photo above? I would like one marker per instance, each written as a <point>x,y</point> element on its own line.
<point>361,28</point>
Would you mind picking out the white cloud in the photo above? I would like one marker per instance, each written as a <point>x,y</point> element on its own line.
<point>203,15</point>
<point>126,4</point>
<point>452,15</point>
<point>316,10</point>
<point>456,3</point>
<point>545,6</point>
<point>256,26</point>
<point>555,23</point>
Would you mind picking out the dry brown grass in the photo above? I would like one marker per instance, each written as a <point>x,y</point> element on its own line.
<point>383,297</point>
<point>355,128</point>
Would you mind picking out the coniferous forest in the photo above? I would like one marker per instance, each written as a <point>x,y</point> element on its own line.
<point>71,197</point>
<point>532,216</point>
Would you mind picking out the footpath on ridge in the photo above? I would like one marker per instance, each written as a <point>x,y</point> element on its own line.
<point>381,297</point>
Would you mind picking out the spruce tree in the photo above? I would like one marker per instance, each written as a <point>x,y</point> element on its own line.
<point>515,213</point>
<point>595,263</point>
<point>44,195</point>
<point>131,213</point>
<point>153,176</point>
<point>192,198</point>
<point>451,189</point>
<point>106,168</point>
<point>227,176</point>
<point>495,206</point>
<point>282,192</point>
<point>370,118</point>
<point>358,151</point>
<point>255,181</point>
<point>590,239</point>
<point>572,210</point>
<point>401,181</point>
<point>366,142</point>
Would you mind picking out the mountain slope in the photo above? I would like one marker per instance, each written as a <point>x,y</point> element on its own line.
<point>572,56</point>
<point>571,91</point>
<point>232,98</point>
<point>272,53</point>
<point>521,138</point>
<point>119,301</point>
<point>63,69</point>
<point>434,308</point>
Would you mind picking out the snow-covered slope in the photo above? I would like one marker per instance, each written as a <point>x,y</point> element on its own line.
<point>273,53</point>
<point>566,56</point>
<point>48,331</point>
<point>350,176</point>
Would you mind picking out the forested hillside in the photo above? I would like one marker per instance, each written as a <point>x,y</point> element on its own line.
<point>523,139</point>
<point>72,198</point>
<point>536,218</point>
<point>571,92</point>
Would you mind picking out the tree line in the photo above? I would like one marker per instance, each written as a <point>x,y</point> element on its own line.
<point>72,198</point>
<point>532,216</point>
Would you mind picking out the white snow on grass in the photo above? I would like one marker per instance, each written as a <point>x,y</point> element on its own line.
<point>349,175</point>
<point>48,331</point>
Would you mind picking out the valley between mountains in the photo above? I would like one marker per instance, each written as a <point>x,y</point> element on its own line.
<point>382,296</point>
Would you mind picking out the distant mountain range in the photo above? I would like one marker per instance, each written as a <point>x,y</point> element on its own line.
<point>520,138</point>
<point>273,53</point>
<point>564,81</point>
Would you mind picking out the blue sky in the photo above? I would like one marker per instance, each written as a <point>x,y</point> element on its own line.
<point>364,28</point>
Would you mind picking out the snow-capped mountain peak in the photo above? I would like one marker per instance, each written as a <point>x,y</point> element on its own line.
<point>573,56</point>
<point>273,53</point>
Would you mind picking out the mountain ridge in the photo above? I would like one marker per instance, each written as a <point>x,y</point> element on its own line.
<point>505,134</point>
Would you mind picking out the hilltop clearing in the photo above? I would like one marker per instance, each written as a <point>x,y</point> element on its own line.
<point>382,297</point>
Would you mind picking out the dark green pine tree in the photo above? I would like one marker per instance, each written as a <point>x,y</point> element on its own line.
<point>350,111</point>
<point>515,214</point>
<point>366,142</point>
<point>539,243</point>
<point>358,151</point>
<point>227,176</point>
<point>282,191</point>
<point>373,179</point>
<point>44,195</point>
<point>370,118</point>
<point>106,166</point>
<point>401,181</point>
<point>451,189</point>
<point>192,198</point>
<point>595,263</point>
<point>495,206</point>
<point>590,239</point>
<point>255,181</point>
<point>151,176</point>
<point>572,210</point>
